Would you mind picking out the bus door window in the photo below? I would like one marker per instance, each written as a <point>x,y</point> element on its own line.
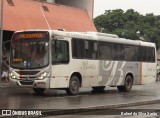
<point>60,51</point>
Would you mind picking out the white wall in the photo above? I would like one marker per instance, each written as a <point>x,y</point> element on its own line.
<point>83,4</point>
<point>51,1</point>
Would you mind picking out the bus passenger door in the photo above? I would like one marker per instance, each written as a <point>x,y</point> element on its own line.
<point>60,64</point>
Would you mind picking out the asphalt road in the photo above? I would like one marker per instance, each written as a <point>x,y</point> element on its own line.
<point>24,98</point>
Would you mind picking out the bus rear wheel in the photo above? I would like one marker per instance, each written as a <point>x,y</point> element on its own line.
<point>127,86</point>
<point>39,90</point>
<point>74,86</point>
<point>98,88</point>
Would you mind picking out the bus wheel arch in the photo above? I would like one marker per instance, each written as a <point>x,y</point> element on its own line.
<point>74,84</point>
<point>79,77</point>
<point>128,83</point>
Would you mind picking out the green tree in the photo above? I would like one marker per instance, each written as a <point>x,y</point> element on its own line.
<point>126,24</point>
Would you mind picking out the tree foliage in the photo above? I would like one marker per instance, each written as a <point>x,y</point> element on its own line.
<point>127,24</point>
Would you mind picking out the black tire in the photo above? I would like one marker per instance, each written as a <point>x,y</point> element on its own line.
<point>98,88</point>
<point>127,85</point>
<point>39,90</point>
<point>74,86</point>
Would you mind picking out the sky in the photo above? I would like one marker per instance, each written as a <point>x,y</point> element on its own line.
<point>141,6</point>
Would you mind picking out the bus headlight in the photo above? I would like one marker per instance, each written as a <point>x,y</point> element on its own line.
<point>43,75</point>
<point>12,76</point>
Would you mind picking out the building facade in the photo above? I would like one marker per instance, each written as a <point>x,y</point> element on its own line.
<point>71,15</point>
<point>82,4</point>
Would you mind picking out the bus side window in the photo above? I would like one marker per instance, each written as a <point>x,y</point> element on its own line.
<point>142,54</point>
<point>91,49</point>
<point>150,54</point>
<point>130,53</point>
<point>78,48</point>
<point>105,50</point>
<point>118,51</point>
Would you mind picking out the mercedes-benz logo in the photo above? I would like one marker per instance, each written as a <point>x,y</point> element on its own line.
<point>27,77</point>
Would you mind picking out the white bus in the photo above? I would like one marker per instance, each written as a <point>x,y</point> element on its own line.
<point>46,59</point>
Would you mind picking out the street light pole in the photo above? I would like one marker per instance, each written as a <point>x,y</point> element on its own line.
<point>1,34</point>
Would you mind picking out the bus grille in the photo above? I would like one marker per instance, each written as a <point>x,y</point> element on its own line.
<point>26,82</point>
<point>28,78</point>
<point>27,72</point>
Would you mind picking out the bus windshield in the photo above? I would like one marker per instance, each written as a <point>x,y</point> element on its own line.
<point>30,50</point>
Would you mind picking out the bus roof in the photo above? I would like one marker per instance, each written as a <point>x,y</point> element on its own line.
<point>94,36</point>
<point>103,37</point>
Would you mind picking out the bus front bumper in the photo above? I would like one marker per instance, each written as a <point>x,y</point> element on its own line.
<point>30,83</point>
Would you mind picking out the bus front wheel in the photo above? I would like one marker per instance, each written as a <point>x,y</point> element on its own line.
<point>127,85</point>
<point>74,86</point>
<point>39,90</point>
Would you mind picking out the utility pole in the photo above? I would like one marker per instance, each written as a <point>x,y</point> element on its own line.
<point>1,33</point>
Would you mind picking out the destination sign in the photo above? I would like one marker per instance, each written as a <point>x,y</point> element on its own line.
<point>31,35</point>
<point>17,60</point>
<point>22,37</point>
